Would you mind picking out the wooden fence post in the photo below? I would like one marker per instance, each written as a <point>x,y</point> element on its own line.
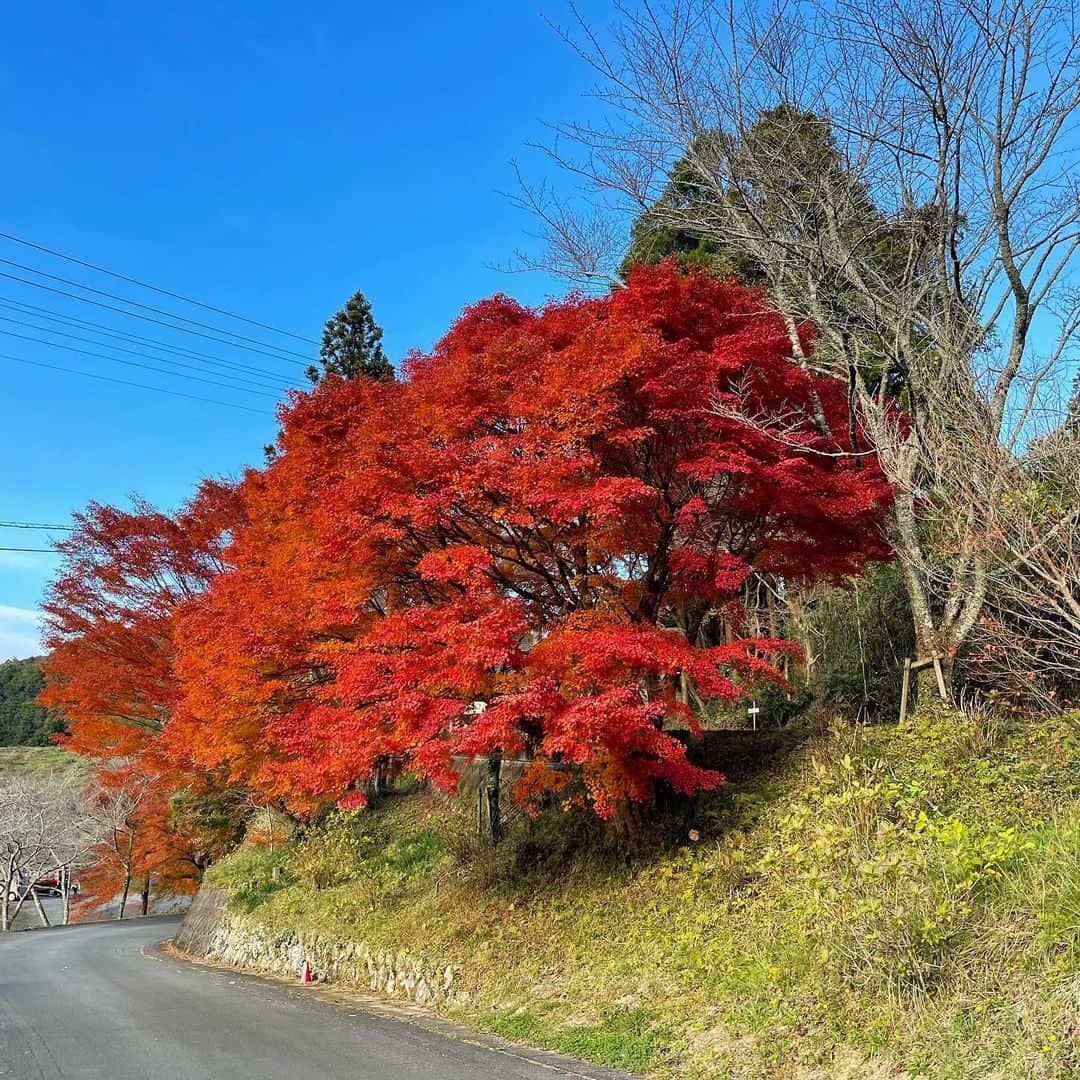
<point>942,692</point>
<point>905,689</point>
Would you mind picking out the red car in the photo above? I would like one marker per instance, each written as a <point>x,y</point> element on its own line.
<point>45,886</point>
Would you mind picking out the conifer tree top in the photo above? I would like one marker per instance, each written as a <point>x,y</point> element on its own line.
<point>352,344</point>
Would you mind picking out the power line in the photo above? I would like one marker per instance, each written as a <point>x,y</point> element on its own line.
<point>50,551</point>
<point>149,307</point>
<point>32,525</point>
<point>50,315</point>
<point>147,318</point>
<point>155,288</point>
<point>126,382</point>
<point>133,352</point>
<point>135,363</point>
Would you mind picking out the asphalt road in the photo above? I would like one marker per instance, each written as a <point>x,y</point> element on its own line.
<point>54,910</point>
<point>28,916</point>
<point>99,1000</point>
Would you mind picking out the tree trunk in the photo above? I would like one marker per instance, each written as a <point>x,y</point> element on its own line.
<point>145,896</point>
<point>6,916</point>
<point>930,639</point>
<point>40,908</point>
<point>124,894</point>
<point>127,862</point>
<point>908,555</point>
<point>9,910</point>
<point>64,880</point>
<point>494,785</point>
<point>800,627</point>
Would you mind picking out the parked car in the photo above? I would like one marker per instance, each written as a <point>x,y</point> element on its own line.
<point>44,886</point>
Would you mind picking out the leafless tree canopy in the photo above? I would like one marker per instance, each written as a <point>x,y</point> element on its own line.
<point>1029,635</point>
<point>46,830</point>
<point>928,228</point>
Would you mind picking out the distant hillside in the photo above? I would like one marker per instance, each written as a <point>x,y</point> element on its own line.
<point>22,721</point>
<point>39,761</point>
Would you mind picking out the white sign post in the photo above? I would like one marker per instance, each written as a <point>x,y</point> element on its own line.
<point>752,713</point>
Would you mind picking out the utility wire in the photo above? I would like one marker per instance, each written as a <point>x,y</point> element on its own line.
<point>147,318</point>
<point>32,525</point>
<point>154,288</point>
<point>262,385</point>
<point>126,382</point>
<point>135,363</point>
<point>149,307</point>
<point>50,551</point>
<point>50,315</point>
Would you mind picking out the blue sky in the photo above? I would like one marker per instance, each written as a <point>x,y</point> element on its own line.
<point>269,159</point>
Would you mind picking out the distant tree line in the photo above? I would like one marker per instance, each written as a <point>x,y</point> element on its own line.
<point>23,722</point>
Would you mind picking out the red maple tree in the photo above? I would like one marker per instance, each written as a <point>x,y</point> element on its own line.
<point>147,846</point>
<point>111,614</point>
<point>531,546</point>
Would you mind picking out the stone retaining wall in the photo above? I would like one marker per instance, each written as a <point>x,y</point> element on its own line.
<point>212,932</point>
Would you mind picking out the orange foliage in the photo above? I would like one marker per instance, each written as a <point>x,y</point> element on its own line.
<point>524,547</point>
<point>111,615</point>
<point>544,517</point>
<point>143,846</point>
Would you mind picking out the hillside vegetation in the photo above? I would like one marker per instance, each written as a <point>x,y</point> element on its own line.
<point>39,760</point>
<point>23,722</point>
<point>874,902</point>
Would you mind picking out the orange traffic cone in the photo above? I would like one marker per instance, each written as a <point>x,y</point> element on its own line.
<point>305,973</point>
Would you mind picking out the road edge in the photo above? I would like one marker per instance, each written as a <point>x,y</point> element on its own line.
<point>94,922</point>
<point>412,1014</point>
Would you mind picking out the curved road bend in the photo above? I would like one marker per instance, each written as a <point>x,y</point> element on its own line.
<point>88,1002</point>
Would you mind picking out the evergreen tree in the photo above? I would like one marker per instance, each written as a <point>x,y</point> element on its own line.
<point>786,174</point>
<point>23,722</point>
<point>352,344</point>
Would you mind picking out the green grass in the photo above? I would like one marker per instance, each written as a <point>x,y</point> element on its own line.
<point>879,900</point>
<point>37,760</point>
<point>620,1039</point>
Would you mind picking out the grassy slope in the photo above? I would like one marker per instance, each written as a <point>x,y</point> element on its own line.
<point>37,760</point>
<point>879,900</point>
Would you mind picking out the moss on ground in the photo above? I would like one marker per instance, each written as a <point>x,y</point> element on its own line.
<point>881,901</point>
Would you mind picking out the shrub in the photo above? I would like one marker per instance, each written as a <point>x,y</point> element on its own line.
<point>861,635</point>
<point>251,875</point>
<point>332,854</point>
<point>889,882</point>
